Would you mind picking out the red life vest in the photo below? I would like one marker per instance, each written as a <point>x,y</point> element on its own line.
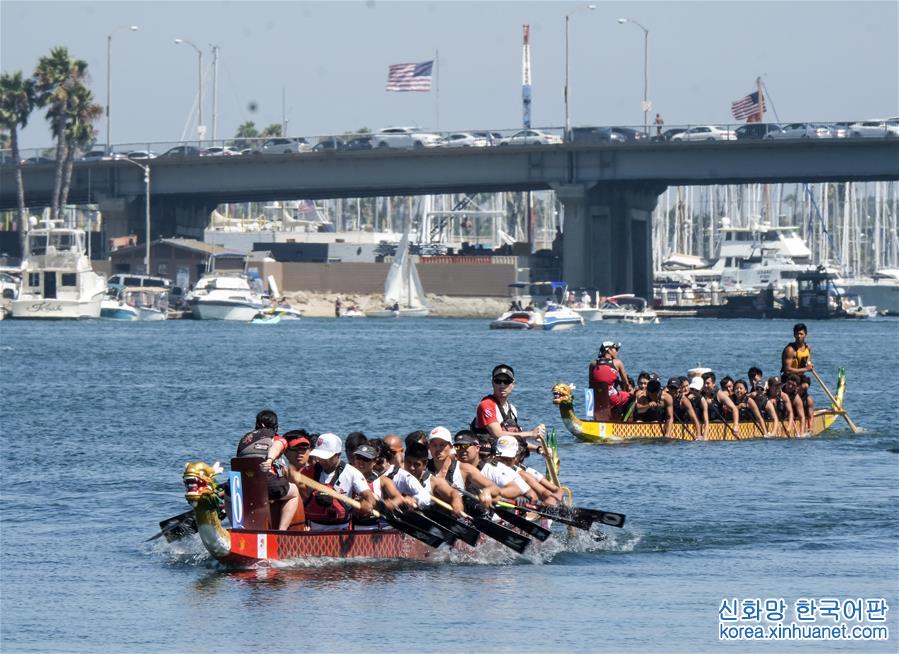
<point>335,512</point>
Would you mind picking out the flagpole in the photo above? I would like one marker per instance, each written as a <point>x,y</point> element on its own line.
<point>758,86</point>
<point>437,89</point>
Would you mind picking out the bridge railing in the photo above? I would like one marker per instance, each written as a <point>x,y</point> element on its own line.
<point>625,135</point>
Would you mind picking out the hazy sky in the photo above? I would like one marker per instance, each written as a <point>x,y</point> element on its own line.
<point>819,61</point>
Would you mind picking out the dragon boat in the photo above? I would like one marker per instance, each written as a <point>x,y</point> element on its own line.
<point>250,539</point>
<point>593,431</point>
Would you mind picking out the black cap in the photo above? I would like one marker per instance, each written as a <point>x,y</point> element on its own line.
<point>503,369</point>
<point>366,451</point>
<point>465,437</point>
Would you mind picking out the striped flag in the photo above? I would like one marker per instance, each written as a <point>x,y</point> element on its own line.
<point>747,107</point>
<point>410,77</point>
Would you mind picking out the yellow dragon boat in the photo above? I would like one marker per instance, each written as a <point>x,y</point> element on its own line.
<point>592,431</point>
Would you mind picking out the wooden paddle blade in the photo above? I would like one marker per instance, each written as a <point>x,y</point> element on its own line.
<point>466,534</point>
<point>177,527</point>
<point>511,539</point>
<point>411,530</point>
<point>532,528</point>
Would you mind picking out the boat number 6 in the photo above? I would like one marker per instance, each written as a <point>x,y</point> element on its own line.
<point>236,500</point>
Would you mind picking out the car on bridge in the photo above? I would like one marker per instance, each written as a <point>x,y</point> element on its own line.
<point>705,133</point>
<point>182,151</point>
<point>406,137</point>
<point>802,131</point>
<point>360,143</point>
<point>329,144</point>
<point>220,151</point>
<point>751,131</point>
<point>141,155</point>
<point>492,137</point>
<point>283,145</point>
<point>587,135</point>
<point>875,128</point>
<point>464,140</point>
<point>531,137</point>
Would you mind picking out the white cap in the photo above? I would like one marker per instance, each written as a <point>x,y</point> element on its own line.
<point>506,446</point>
<point>440,433</point>
<point>327,446</point>
<point>696,383</point>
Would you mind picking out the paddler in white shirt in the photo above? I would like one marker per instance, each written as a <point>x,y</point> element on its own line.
<point>468,450</point>
<point>443,465</point>
<point>509,453</point>
<point>415,464</point>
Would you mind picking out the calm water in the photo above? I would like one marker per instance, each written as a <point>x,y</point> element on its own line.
<point>98,419</point>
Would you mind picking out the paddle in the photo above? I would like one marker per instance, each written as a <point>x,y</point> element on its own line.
<point>572,514</point>
<point>835,402</point>
<point>433,538</point>
<point>537,531</point>
<point>465,533</point>
<point>177,527</point>
<point>511,539</point>
<point>720,416</point>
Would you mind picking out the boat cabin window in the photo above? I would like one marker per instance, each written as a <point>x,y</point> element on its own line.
<point>68,279</point>
<point>772,236</point>
<point>34,279</point>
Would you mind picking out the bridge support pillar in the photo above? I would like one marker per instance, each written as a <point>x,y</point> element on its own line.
<point>607,236</point>
<point>168,217</point>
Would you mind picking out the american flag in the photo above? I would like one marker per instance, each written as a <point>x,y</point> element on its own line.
<point>746,107</point>
<point>410,77</point>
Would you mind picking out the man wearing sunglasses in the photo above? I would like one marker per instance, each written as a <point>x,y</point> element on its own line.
<point>443,465</point>
<point>496,415</point>
<point>507,481</point>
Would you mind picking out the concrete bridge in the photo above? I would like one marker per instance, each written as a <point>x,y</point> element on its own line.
<point>608,191</point>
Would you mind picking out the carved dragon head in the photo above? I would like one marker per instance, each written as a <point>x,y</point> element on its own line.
<point>199,481</point>
<point>562,394</point>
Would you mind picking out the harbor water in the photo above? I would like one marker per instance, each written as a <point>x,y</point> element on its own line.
<point>98,419</point>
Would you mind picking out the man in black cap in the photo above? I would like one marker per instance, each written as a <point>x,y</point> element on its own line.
<point>495,414</point>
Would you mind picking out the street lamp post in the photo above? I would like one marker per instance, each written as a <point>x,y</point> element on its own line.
<point>146,169</point>
<point>133,28</point>
<point>567,68</point>
<point>200,127</point>
<point>622,21</point>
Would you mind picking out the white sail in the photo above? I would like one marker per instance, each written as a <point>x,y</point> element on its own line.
<point>403,285</point>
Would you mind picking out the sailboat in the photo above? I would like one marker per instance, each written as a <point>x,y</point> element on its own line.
<point>403,293</point>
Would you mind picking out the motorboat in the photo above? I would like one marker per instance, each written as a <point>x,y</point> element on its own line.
<point>353,312</point>
<point>283,311</point>
<point>557,317</point>
<point>403,293</point>
<point>225,296</point>
<point>58,281</point>
<point>880,290</point>
<point>136,303</point>
<point>518,319</point>
<point>628,308</point>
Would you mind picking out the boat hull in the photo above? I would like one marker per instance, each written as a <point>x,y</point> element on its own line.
<point>55,309</point>
<point>249,546</point>
<point>590,315</point>
<point>219,310</point>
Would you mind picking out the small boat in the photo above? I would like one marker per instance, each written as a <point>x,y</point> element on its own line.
<point>265,319</point>
<point>353,312</point>
<point>628,308</point>
<point>558,318</point>
<point>136,303</point>
<point>283,311</point>
<point>518,320</point>
<point>224,296</point>
<point>591,431</point>
<point>403,293</point>
<point>58,281</point>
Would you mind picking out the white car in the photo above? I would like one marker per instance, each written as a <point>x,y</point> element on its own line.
<point>875,128</point>
<point>219,151</point>
<point>283,145</point>
<point>531,137</point>
<point>9,286</point>
<point>406,137</point>
<point>802,131</point>
<point>141,155</point>
<point>705,133</point>
<point>464,140</point>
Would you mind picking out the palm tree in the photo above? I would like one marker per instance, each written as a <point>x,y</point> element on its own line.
<point>246,131</point>
<point>57,76</point>
<point>80,133</point>
<point>17,101</point>
<point>272,130</point>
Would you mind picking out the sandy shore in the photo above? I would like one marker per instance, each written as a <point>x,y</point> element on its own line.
<point>321,305</point>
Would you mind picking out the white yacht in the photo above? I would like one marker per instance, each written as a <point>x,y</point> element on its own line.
<point>749,258</point>
<point>57,279</point>
<point>136,303</point>
<point>225,296</point>
<point>628,308</point>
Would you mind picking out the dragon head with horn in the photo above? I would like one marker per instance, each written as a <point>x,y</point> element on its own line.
<point>200,484</point>
<point>562,394</point>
